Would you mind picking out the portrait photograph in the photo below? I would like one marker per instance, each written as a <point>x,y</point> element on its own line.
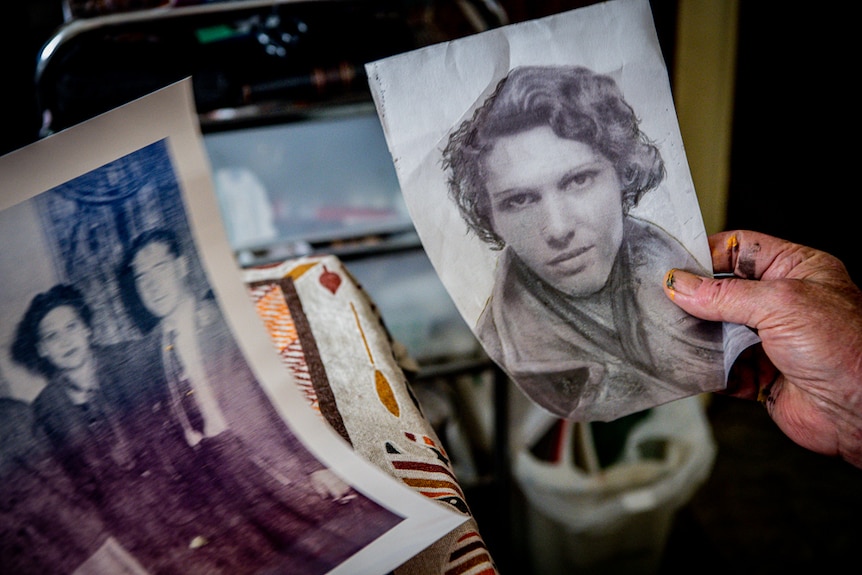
<point>544,170</point>
<point>130,393</point>
<point>140,431</point>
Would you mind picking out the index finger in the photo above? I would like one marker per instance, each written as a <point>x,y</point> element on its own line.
<point>753,255</point>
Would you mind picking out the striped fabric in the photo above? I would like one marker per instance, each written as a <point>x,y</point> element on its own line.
<point>328,334</point>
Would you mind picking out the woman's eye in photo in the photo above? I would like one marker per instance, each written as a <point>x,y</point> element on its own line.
<point>517,201</point>
<point>579,180</point>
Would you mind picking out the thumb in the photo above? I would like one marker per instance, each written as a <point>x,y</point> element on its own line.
<point>732,300</point>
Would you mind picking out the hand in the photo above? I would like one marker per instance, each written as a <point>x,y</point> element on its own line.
<point>808,314</point>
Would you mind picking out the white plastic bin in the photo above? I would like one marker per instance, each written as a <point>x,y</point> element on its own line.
<point>614,519</point>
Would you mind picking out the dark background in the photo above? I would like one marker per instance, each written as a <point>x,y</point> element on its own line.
<point>792,157</point>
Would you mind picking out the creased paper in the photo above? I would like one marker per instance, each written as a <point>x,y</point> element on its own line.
<point>544,170</point>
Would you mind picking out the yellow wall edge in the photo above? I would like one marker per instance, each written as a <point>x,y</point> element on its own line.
<point>703,78</point>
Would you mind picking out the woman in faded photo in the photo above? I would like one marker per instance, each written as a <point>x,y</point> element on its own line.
<point>86,412</point>
<point>79,407</point>
<point>548,171</point>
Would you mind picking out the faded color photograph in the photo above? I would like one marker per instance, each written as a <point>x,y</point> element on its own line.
<point>135,437</point>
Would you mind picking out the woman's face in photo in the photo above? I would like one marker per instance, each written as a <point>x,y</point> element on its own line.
<point>64,338</point>
<point>558,204</point>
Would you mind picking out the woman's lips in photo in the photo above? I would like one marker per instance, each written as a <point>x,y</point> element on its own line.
<point>568,256</point>
<point>70,352</point>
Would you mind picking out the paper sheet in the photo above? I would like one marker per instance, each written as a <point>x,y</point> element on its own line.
<point>560,280</point>
<point>101,473</point>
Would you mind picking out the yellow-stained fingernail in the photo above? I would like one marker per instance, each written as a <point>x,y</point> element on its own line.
<point>732,243</point>
<point>679,281</point>
<point>668,282</point>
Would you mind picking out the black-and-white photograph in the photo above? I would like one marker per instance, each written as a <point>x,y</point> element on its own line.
<point>551,192</point>
<point>136,437</point>
<point>547,172</point>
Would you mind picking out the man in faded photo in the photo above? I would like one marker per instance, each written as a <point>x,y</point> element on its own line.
<point>208,413</point>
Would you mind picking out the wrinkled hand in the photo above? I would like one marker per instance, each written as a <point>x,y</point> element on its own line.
<point>808,314</point>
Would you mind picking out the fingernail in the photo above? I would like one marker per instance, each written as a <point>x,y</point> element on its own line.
<point>682,282</point>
